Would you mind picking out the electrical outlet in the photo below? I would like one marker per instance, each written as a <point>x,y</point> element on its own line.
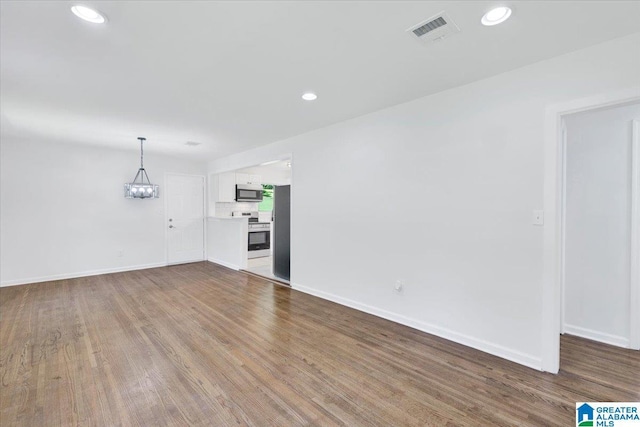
<point>399,285</point>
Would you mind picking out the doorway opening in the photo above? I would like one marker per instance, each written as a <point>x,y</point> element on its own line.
<point>598,194</point>
<point>558,173</point>
<point>271,222</point>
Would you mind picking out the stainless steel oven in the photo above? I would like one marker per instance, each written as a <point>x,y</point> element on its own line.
<point>248,193</point>
<point>259,239</point>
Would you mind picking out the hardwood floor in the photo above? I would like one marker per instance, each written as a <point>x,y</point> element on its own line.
<point>200,344</point>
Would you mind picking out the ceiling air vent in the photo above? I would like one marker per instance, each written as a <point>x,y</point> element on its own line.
<point>192,143</point>
<point>435,28</point>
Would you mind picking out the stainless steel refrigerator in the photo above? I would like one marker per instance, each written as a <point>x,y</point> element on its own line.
<point>282,231</point>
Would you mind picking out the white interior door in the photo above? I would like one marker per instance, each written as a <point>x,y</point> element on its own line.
<point>185,218</point>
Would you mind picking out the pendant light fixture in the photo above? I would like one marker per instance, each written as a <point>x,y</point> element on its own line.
<point>139,189</point>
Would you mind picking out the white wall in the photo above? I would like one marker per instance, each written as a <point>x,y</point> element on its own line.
<point>63,211</point>
<point>598,224</point>
<point>439,192</point>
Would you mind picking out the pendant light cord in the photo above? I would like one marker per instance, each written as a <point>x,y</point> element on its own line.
<point>141,151</point>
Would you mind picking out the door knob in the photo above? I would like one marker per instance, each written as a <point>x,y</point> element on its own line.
<point>171,226</point>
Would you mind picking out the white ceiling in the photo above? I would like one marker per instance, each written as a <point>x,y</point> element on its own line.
<point>230,74</point>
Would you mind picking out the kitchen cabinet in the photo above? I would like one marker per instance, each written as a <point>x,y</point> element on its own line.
<point>223,187</point>
<point>247,179</point>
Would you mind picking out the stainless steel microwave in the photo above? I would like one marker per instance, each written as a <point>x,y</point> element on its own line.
<point>248,193</point>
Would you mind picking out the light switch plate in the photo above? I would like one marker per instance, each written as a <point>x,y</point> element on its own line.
<point>538,217</point>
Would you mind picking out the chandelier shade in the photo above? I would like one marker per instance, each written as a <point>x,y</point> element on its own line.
<point>141,187</point>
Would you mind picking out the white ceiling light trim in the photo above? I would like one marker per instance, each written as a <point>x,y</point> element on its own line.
<point>496,16</point>
<point>309,96</point>
<point>88,14</point>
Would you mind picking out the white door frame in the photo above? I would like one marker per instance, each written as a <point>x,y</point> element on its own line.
<point>166,213</point>
<point>563,225</point>
<point>634,296</point>
<point>554,171</point>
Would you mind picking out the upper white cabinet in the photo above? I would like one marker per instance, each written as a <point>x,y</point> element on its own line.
<point>245,178</point>
<point>223,187</point>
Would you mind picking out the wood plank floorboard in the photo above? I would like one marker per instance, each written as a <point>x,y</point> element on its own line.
<point>203,345</point>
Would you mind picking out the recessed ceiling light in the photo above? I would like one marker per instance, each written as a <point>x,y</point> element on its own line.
<point>496,16</point>
<point>309,96</point>
<point>88,14</point>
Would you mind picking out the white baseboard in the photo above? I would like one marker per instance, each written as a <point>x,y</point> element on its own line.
<point>80,274</point>
<point>616,340</point>
<point>224,264</point>
<point>488,347</point>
